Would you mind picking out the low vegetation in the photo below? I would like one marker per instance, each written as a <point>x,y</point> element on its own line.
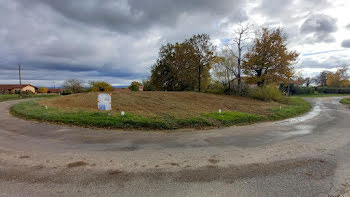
<point>159,110</point>
<point>345,101</point>
<point>266,93</point>
<point>7,97</point>
<point>320,95</point>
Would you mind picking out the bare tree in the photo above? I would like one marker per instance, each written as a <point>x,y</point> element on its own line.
<point>321,79</point>
<point>73,85</point>
<point>225,68</point>
<point>239,43</point>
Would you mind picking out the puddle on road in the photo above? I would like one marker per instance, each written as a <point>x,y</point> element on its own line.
<point>315,112</point>
<point>300,130</point>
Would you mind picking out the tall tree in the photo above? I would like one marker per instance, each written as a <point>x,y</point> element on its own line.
<point>176,68</point>
<point>321,79</point>
<point>225,68</point>
<point>73,85</point>
<point>269,60</point>
<point>338,79</point>
<point>204,52</point>
<point>241,36</point>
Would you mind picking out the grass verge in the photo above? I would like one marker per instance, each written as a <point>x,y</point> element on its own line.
<point>7,97</point>
<point>32,110</point>
<point>320,95</point>
<point>345,101</point>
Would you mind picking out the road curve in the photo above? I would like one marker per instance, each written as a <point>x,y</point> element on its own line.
<point>303,156</point>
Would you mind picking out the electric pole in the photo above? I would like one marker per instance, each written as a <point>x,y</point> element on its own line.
<point>20,80</point>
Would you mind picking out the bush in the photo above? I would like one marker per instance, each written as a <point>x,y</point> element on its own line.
<point>333,90</point>
<point>100,86</point>
<point>27,92</point>
<point>266,93</point>
<point>135,86</point>
<point>147,85</point>
<point>216,88</point>
<point>73,86</point>
<point>43,90</point>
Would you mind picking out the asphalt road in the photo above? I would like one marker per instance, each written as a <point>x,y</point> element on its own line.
<point>304,156</point>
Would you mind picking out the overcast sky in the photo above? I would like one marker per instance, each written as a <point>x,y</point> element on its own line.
<point>118,40</point>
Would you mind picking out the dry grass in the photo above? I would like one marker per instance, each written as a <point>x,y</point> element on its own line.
<point>176,104</point>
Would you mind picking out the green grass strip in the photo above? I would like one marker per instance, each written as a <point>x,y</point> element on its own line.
<point>8,97</point>
<point>345,101</point>
<point>320,95</point>
<point>32,110</point>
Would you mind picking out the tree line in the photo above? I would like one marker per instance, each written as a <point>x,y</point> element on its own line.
<point>196,65</point>
<point>250,58</point>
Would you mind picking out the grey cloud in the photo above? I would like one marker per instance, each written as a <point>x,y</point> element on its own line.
<point>100,39</point>
<point>118,40</point>
<point>321,26</point>
<point>347,27</point>
<point>129,16</point>
<point>346,43</point>
<point>287,10</point>
<point>329,63</point>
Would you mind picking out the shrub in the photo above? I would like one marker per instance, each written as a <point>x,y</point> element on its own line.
<point>147,85</point>
<point>27,92</point>
<point>216,88</point>
<point>135,86</point>
<point>333,90</point>
<point>266,93</point>
<point>43,90</point>
<point>100,86</point>
<point>73,86</point>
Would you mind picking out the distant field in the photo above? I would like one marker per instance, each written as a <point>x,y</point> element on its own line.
<point>159,110</point>
<point>7,97</point>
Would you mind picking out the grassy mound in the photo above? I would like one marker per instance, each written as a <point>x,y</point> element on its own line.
<point>160,104</point>
<point>159,110</point>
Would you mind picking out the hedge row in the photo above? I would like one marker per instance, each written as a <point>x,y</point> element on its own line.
<point>296,90</point>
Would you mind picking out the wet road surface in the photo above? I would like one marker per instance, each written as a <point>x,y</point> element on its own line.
<point>303,156</point>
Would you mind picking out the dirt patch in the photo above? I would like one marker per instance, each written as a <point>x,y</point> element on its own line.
<point>24,157</point>
<point>115,172</point>
<point>177,104</point>
<point>76,164</point>
<point>302,170</point>
<point>174,164</point>
<point>213,161</point>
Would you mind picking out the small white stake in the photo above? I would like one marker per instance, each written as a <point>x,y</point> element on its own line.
<point>219,110</point>
<point>123,113</point>
<point>46,107</point>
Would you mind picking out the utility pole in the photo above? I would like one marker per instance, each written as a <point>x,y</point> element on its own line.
<point>20,80</point>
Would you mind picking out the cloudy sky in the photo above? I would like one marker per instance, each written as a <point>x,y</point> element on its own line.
<point>118,40</point>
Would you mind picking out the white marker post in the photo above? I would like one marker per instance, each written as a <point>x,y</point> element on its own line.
<point>104,102</point>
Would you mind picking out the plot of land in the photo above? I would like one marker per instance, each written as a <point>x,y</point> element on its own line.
<point>176,104</point>
<point>159,110</point>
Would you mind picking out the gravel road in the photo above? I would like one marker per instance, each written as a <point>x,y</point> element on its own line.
<point>303,156</point>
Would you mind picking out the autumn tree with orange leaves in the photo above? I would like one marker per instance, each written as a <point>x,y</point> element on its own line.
<point>338,79</point>
<point>269,60</point>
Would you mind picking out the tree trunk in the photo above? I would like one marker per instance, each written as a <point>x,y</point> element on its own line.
<point>239,66</point>
<point>288,89</point>
<point>199,78</point>
<point>239,75</point>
